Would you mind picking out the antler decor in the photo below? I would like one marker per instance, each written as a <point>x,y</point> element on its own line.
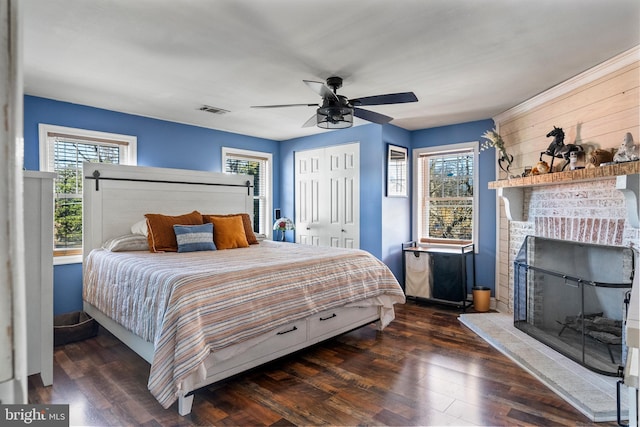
<point>494,140</point>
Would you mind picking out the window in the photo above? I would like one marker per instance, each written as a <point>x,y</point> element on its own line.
<point>446,205</point>
<point>63,150</point>
<point>257,164</point>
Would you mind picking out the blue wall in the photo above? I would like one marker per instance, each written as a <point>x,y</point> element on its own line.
<point>396,211</point>
<point>160,144</point>
<point>467,132</point>
<point>67,288</point>
<point>385,222</point>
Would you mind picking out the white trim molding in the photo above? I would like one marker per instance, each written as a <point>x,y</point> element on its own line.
<point>616,63</point>
<point>415,192</point>
<point>44,129</point>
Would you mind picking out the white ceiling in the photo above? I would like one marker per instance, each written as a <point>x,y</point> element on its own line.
<point>464,59</point>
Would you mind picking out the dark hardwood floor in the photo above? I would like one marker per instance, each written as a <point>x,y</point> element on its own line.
<point>424,369</point>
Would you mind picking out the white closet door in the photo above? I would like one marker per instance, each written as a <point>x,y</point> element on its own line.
<point>307,193</point>
<point>343,209</point>
<point>328,196</point>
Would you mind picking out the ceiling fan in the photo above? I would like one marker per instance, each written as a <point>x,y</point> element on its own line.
<point>336,111</point>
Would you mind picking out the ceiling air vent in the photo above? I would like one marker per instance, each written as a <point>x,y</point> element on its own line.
<point>213,110</point>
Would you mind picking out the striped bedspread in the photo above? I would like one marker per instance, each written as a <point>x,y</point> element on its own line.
<point>191,304</point>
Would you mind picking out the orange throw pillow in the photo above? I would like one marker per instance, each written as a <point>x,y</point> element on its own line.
<point>228,232</point>
<point>161,236</point>
<point>246,222</point>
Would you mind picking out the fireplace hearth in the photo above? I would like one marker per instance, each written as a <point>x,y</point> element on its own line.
<point>571,297</point>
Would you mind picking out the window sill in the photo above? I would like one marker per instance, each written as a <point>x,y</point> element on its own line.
<point>69,259</point>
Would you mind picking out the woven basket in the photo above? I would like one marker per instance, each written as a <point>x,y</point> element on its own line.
<point>72,327</point>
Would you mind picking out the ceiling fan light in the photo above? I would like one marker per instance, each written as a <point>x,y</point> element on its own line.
<point>334,118</point>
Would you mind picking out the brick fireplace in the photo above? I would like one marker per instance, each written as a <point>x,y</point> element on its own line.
<point>570,296</point>
<point>597,206</point>
<point>584,211</point>
<point>595,109</point>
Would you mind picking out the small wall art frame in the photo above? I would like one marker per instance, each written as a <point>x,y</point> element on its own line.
<point>397,171</point>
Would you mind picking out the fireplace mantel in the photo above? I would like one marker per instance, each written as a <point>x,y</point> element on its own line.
<point>627,181</point>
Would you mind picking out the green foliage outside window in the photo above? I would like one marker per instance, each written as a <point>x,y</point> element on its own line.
<point>68,159</point>
<point>68,210</point>
<point>449,203</point>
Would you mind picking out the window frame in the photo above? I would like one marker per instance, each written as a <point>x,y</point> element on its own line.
<point>268,197</point>
<point>90,136</point>
<point>397,171</point>
<point>416,205</point>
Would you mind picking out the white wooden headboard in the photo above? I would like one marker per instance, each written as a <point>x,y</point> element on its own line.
<point>117,196</point>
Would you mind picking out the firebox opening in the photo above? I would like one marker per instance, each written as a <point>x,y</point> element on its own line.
<point>571,297</point>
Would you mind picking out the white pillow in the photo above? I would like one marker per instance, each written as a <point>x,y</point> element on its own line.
<point>140,227</point>
<point>128,242</point>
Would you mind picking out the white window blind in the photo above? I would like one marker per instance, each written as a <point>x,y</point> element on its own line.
<point>446,196</point>
<point>257,165</point>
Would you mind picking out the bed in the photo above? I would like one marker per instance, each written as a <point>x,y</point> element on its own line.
<point>199,317</point>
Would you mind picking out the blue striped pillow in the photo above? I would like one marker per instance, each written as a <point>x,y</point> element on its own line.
<point>192,238</point>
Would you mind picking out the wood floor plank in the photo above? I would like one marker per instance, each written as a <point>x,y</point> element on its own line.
<point>425,368</point>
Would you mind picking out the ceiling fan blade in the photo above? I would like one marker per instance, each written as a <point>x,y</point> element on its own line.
<point>313,120</point>
<point>391,98</point>
<point>321,89</point>
<point>371,116</point>
<point>284,105</point>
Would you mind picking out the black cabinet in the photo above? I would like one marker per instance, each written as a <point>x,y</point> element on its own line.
<point>439,273</point>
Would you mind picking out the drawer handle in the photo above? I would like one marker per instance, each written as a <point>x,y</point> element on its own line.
<point>287,331</point>
<point>322,319</point>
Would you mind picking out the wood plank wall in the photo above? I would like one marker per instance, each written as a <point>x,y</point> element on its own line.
<point>595,109</point>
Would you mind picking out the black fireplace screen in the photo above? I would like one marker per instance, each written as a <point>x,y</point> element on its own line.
<point>571,297</point>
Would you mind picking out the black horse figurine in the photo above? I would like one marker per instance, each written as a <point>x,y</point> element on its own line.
<point>558,148</point>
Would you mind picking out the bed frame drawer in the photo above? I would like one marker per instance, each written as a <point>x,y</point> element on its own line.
<point>285,337</point>
<point>280,342</point>
<point>340,319</point>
